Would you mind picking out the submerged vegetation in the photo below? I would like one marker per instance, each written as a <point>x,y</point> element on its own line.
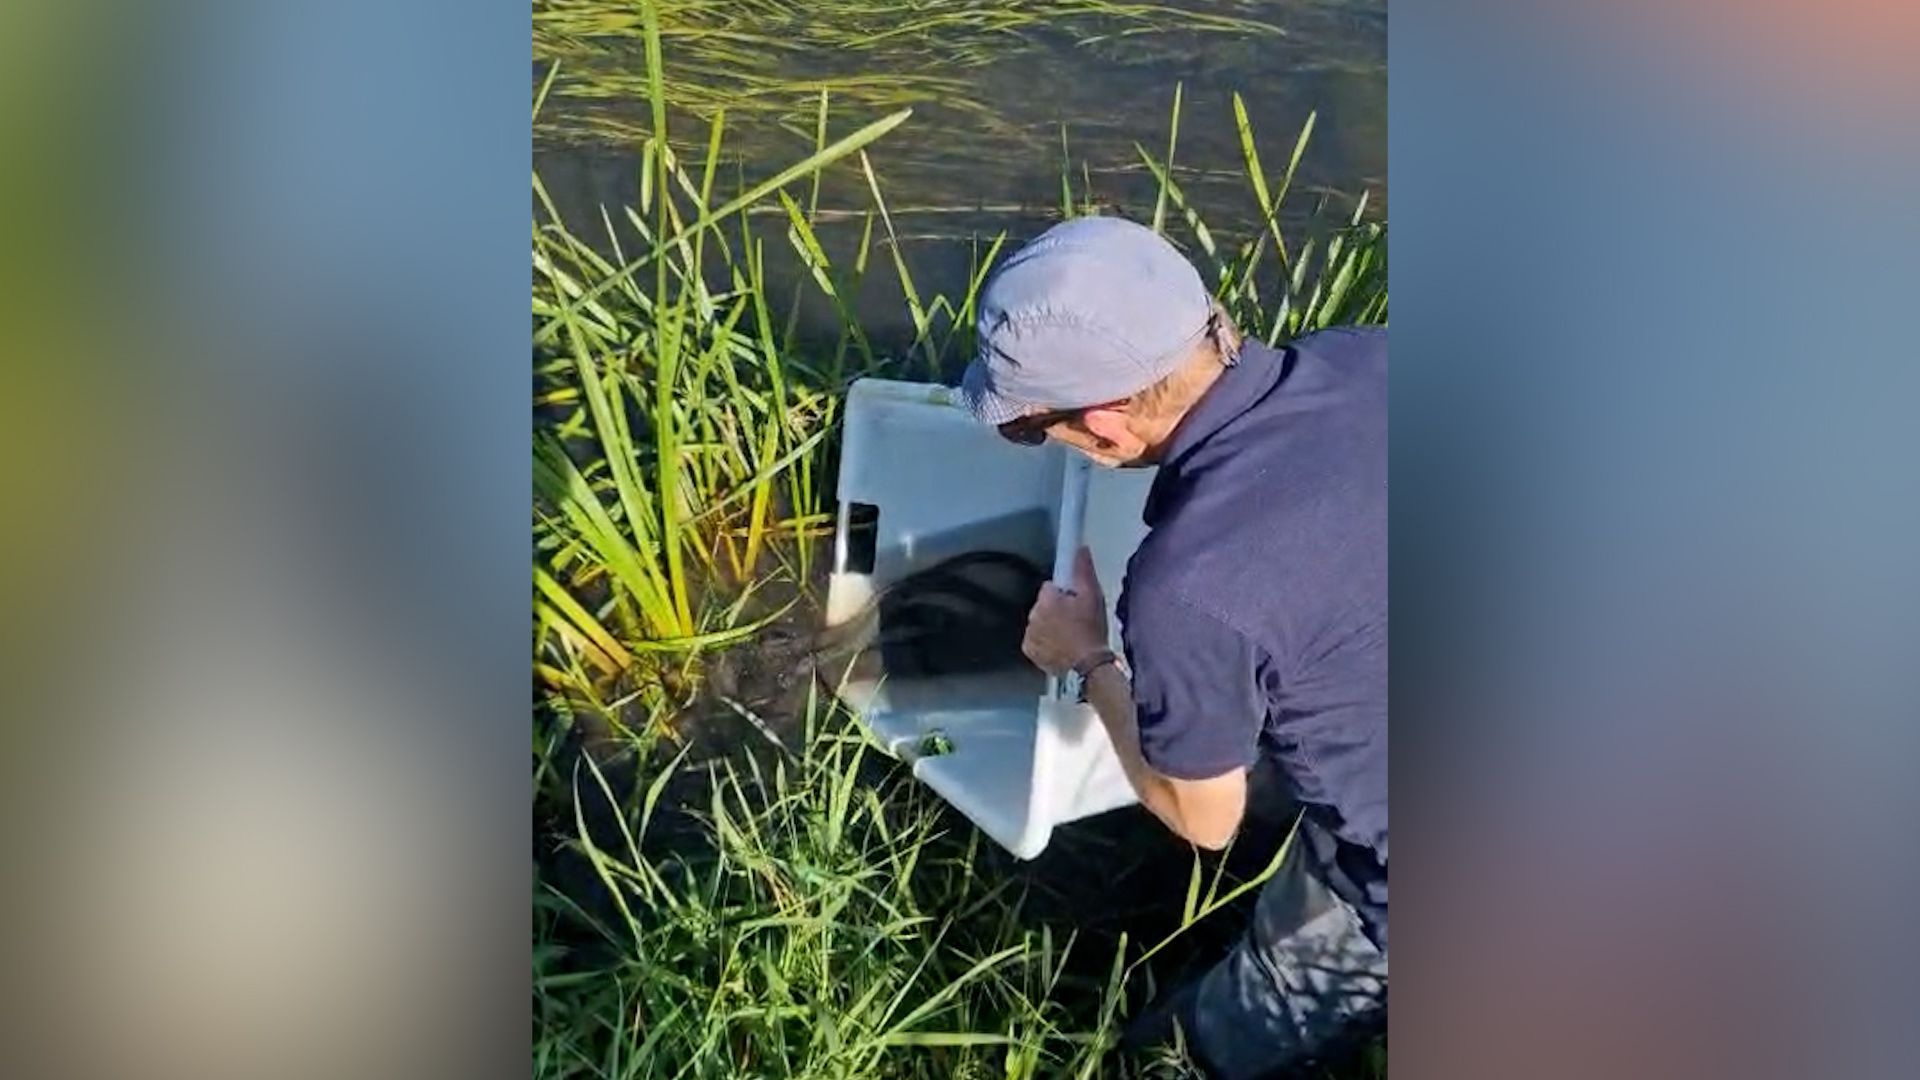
<point>767,58</point>
<point>811,911</point>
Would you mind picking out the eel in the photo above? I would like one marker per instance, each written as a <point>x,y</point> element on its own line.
<point>963,615</point>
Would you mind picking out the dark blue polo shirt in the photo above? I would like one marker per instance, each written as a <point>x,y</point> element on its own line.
<point>1255,612</point>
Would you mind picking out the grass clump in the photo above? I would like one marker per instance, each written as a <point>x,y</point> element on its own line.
<point>816,919</point>
<point>822,915</point>
<point>672,422</point>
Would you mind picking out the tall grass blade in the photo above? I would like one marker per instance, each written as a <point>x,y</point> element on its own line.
<point>922,339</point>
<point>1173,141</point>
<point>609,653</point>
<point>546,84</point>
<point>1066,176</point>
<point>1201,233</point>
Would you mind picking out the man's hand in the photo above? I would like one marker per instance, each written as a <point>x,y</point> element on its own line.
<point>1067,627</point>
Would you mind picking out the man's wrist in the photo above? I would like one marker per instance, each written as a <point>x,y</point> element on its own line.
<point>1082,672</point>
<point>1109,692</point>
<point>1091,660</point>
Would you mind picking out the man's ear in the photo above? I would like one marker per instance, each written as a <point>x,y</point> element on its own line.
<point>1110,424</point>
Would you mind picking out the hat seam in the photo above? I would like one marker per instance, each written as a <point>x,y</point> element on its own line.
<point>1054,318</point>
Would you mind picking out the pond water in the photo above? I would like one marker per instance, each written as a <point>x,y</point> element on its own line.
<point>982,152</point>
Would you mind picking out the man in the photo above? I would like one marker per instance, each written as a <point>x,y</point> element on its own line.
<point>1254,615</point>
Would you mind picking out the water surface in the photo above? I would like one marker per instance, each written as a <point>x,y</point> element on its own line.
<point>984,155</point>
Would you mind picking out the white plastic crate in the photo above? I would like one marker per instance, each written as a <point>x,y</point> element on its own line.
<point>1020,756</point>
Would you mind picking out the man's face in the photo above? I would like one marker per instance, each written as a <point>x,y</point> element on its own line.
<point>1123,453</point>
<point>1104,433</point>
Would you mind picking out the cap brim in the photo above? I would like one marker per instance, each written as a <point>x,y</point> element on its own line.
<point>987,405</point>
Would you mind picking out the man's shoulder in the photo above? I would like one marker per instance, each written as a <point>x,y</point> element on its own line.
<point>1342,359</point>
<point>1345,359</point>
<point>1370,341</point>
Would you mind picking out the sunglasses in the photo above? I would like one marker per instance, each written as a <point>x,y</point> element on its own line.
<point>1031,430</point>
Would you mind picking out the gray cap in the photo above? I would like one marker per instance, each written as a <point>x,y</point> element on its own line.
<point>1093,310</point>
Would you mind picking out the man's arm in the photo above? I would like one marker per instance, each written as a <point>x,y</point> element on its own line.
<point>1068,627</point>
<point>1205,812</point>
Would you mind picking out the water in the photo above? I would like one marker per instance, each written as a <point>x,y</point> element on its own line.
<point>956,173</point>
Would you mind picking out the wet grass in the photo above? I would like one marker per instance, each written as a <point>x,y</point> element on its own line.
<point>809,911</point>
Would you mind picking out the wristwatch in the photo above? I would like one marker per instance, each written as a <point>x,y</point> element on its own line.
<point>1075,680</point>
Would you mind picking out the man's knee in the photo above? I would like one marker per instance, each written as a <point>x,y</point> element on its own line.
<point>1304,982</point>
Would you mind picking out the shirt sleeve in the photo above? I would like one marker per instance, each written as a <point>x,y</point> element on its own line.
<point>1195,689</point>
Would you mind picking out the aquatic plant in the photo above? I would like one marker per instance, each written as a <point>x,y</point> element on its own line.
<point>769,59</point>
<point>1335,275</point>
